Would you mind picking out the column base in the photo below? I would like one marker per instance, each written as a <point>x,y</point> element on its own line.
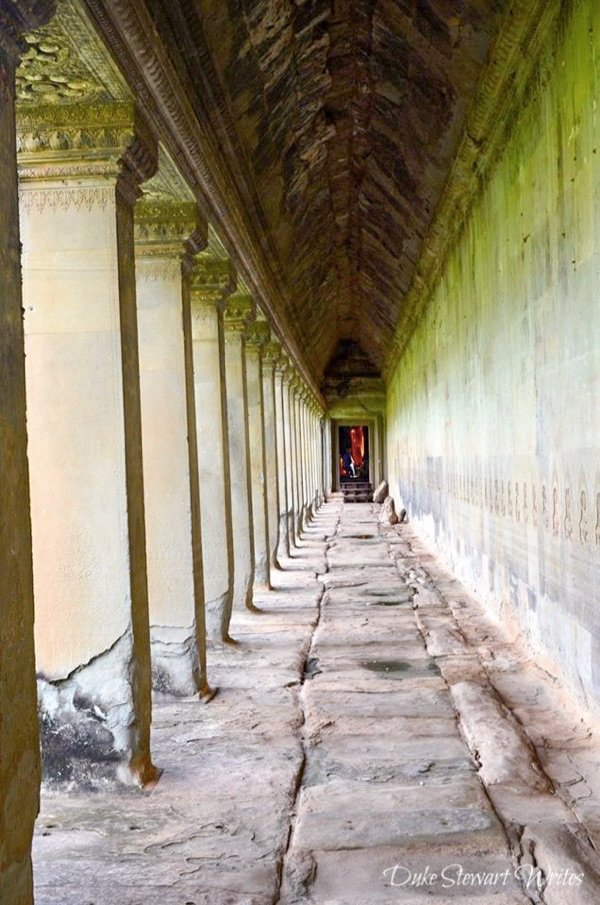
<point>206,694</point>
<point>16,883</point>
<point>284,545</point>
<point>218,617</point>
<point>243,593</point>
<point>90,731</point>
<point>262,581</point>
<point>175,662</point>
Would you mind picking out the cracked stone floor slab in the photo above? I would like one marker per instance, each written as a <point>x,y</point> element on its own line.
<point>376,738</point>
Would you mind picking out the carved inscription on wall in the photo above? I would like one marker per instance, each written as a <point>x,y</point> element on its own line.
<point>553,506</point>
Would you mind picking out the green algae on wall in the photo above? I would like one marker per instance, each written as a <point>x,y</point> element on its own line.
<point>492,412</point>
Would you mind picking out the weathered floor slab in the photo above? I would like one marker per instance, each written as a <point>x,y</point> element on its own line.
<point>376,739</point>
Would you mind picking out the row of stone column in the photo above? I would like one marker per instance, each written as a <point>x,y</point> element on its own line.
<point>164,464</point>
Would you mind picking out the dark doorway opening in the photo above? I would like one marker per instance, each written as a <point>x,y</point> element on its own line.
<point>354,454</point>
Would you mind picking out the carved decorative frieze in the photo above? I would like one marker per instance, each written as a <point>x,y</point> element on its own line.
<point>69,198</point>
<point>159,269</point>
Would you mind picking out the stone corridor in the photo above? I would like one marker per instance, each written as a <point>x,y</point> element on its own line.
<point>375,738</point>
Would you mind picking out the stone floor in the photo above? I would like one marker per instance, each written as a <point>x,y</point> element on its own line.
<point>375,739</point>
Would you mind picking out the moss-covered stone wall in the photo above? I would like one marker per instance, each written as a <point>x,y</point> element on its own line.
<point>493,412</point>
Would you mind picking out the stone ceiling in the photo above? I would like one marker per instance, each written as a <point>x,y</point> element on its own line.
<point>343,117</point>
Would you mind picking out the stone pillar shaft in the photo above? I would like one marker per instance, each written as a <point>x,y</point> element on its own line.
<point>175,579</point>
<point>211,280</point>
<point>238,311</point>
<point>256,336</point>
<point>306,464</point>
<point>19,742</point>
<point>92,633</point>
<point>296,434</point>
<point>289,460</point>
<point>272,451</point>
<point>283,538</point>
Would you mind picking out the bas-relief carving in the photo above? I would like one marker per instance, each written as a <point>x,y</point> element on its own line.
<point>159,270</point>
<point>75,197</point>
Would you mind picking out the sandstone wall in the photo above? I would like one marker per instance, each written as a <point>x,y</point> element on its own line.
<point>493,411</point>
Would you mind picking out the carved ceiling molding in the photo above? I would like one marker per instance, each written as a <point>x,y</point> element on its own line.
<point>16,19</point>
<point>65,62</point>
<point>168,184</point>
<point>130,34</point>
<point>501,93</point>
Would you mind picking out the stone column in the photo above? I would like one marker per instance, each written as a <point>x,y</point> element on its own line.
<point>318,459</point>
<point>239,311</point>
<point>314,457</point>
<point>281,429</point>
<point>19,743</point>
<point>308,511</point>
<point>256,337</point>
<point>164,229</point>
<point>80,170</point>
<point>288,435</point>
<point>273,446</point>
<point>295,386</point>
<point>326,456</point>
<point>211,281</point>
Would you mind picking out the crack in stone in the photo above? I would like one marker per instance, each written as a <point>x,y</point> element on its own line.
<point>305,875</point>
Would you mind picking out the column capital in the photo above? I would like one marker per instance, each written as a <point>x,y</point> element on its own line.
<point>257,336</point>
<point>287,370</point>
<point>86,142</point>
<point>270,354</point>
<point>18,18</point>
<point>296,383</point>
<point>239,311</point>
<point>212,280</point>
<point>166,228</point>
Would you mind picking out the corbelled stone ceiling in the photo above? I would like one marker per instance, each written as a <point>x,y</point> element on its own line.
<point>343,117</point>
